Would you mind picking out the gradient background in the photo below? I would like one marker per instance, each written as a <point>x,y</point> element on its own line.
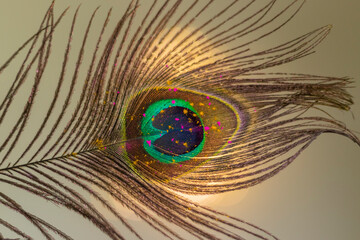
<point>316,197</point>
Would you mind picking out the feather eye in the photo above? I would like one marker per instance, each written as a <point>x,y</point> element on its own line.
<point>175,130</point>
<point>171,99</point>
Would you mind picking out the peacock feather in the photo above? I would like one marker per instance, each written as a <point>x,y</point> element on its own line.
<point>163,99</point>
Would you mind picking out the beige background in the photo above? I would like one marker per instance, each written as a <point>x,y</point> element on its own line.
<point>318,196</point>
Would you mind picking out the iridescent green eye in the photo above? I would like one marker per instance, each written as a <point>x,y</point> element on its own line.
<point>172,131</point>
<point>169,132</point>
